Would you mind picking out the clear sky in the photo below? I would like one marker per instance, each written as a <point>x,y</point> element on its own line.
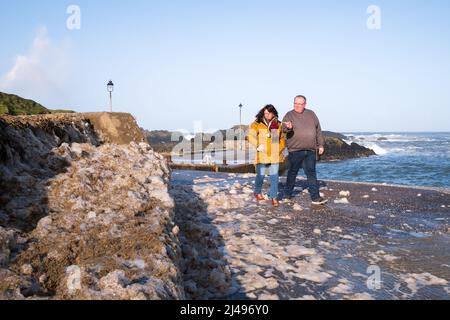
<point>177,62</point>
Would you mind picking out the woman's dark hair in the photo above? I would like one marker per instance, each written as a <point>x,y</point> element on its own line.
<point>270,108</point>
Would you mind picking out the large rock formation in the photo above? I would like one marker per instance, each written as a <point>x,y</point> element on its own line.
<point>336,147</point>
<point>85,211</point>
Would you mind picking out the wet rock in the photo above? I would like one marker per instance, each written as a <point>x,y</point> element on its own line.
<point>97,218</point>
<point>26,269</point>
<point>205,272</point>
<point>338,149</point>
<point>73,280</point>
<point>7,243</point>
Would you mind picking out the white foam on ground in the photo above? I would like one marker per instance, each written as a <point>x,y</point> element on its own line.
<point>341,201</point>
<point>415,281</point>
<point>344,194</point>
<point>259,263</point>
<point>335,229</point>
<point>342,288</point>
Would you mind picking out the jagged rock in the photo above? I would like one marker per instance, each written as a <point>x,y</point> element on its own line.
<point>7,242</point>
<point>338,149</point>
<point>96,217</point>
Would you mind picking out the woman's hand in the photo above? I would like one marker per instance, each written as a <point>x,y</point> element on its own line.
<point>260,148</point>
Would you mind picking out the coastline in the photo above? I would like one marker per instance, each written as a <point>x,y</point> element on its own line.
<point>208,236</point>
<point>437,189</point>
<point>300,251</point>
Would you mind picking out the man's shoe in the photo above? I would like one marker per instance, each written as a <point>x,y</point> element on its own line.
<point>275,203</point>
<point>259,197</point>
<point>321,201</point>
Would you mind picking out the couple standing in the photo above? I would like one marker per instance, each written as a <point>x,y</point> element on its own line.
<point>301,133</point>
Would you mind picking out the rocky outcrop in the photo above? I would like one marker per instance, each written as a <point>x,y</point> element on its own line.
<point>331,134</point>
<point>117,128</point>
<point>337,149</point>
<point>85,211</point>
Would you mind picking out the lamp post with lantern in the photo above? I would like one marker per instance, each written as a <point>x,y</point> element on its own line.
<point>240,126</point>
<point>110,87</point>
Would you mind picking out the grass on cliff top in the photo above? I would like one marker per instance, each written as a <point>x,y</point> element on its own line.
<point>61,111</point>
<point>13,105</point>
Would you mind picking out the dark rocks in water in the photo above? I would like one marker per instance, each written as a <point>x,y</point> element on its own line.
<point>382,139</point>
<point>337,149</point>
<point>335,135</point>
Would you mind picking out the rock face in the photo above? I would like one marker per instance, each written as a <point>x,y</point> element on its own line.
<point>331,134</point>
<point>337,149</point>
<point>84,212</point>
<point>206,274</point>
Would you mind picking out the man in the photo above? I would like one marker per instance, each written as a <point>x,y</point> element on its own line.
<point>304,138</point>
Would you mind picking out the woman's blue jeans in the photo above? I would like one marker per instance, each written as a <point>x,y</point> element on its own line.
<point>267,169</point>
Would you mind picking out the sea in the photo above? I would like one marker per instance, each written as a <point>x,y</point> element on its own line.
<point>413,159</point>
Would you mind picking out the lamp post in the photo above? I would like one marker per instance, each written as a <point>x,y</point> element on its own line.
<point>110,87</point>
<point>240,126</point>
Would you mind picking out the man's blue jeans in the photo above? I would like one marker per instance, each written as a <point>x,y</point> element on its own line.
<point>305,159</point>
<point>267,169</point>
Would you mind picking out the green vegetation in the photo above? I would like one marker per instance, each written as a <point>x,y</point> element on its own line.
<point>61,111</point>
<point>3,109</point>
<point>13,105</point>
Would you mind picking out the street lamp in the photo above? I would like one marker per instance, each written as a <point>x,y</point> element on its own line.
<point>110,87</point>
<point>240,126</point>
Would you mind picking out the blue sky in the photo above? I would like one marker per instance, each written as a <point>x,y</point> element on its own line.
<point>177,62</point>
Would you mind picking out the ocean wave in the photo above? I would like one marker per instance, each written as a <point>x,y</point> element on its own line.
<point>382,150</point>
<point>377,149</point>
<point>189,136</point>
<point>377,137</point>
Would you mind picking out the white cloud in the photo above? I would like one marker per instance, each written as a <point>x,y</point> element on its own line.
<point>41,73</point>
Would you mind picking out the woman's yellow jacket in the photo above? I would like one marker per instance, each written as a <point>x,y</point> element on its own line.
<point>272,141</point>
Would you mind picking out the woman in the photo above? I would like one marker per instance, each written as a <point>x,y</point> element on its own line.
<point>266,134</point>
